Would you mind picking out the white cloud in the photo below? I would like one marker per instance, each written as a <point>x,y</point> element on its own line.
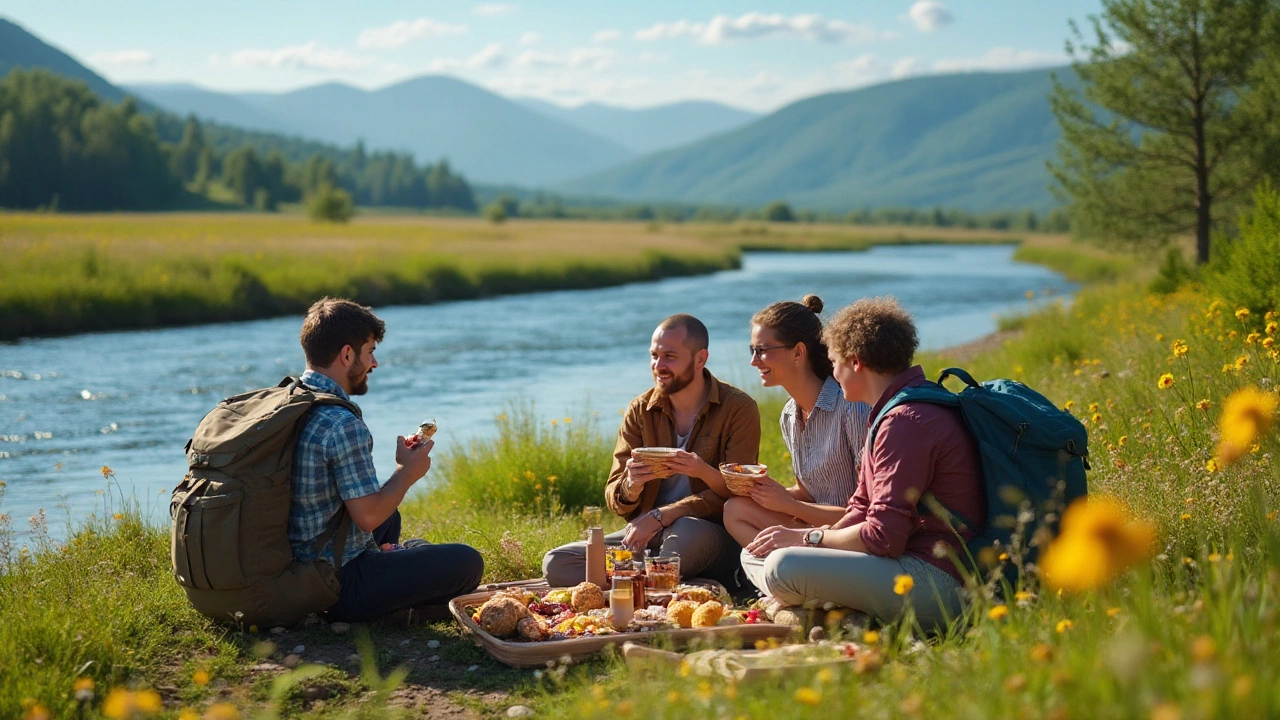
<point>605,36</point>
<point>861,66</point>
<point>906,67</point>
<point>929,15</point>
<point>1000,58</point>
<point>530,38</point>
<point>491,9</point>
<point>402,32</point>
<point>122,58</point>
<point>490,57</point>
<point>722,28</point>
<point>310,56</point>
<point>580,59</point>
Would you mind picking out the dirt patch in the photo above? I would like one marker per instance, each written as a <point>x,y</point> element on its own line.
<point>446,675</point>
<point>960,354</point>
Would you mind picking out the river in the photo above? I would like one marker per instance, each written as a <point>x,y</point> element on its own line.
<point>129,400</point>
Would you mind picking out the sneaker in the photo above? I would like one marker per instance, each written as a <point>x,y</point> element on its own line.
<point>414,542</point>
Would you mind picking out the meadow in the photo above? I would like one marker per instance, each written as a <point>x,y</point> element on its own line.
<point>75,273</point>
<point>96,627</point>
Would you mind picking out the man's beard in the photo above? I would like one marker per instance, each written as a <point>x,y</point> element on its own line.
<point>678,382</point>
<point>358,379</point>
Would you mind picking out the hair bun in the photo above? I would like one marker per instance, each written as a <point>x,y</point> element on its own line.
<point>813,302</point>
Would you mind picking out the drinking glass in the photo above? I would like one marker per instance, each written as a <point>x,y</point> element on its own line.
<point>662,573</point>
<point>615,555</point>
<point>591,516</point>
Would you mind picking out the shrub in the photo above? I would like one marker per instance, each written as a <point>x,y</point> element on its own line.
<point>1174,273</point>
<point>495,213</point>
<point>330,203</point>
<point>778,211</point>
<point>1246,271</point>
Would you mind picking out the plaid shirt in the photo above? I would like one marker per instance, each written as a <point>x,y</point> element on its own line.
<point>332,462</point>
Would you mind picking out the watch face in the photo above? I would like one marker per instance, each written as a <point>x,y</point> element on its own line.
<point>813,537</point>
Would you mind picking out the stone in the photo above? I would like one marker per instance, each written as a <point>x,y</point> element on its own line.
<point>434,658</point>
<point>519,711</point>
<point>340,628</point>
<point>473,668</point>
<point>354,658</point>
<point>299,649</point>
<point>817,634</point>
<point>279,630</point>
<point>291,661</point>
<point>405,643</point>
<point>317,692</point>
<point>433,644</point>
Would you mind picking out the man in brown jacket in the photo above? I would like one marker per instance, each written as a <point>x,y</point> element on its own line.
<point>710,422</point>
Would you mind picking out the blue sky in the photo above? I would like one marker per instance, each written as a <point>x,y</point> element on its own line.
<point>753,55</point>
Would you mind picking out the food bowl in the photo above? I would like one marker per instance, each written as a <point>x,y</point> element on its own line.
<point>741,478</point>
<point>657,459</point>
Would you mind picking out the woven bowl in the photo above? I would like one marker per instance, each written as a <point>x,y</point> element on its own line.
<point>741,478</point>
<point>657,459</point>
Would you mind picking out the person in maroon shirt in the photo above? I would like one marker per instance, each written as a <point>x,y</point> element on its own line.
<point>920,449</point>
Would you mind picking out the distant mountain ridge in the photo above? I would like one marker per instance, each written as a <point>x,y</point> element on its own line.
<point>484,135</point>
<point>19,48</point>
<point>975,142</point>
<point>646,130</point>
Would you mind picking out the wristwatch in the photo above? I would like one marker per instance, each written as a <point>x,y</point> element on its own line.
<point>813,538</point>
<point>656,514</point>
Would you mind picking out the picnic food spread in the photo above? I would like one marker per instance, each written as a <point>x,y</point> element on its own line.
<point>526,615</point>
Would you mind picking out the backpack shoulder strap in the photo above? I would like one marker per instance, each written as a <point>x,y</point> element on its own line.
<point>320,397</point>
<point>929,392</point>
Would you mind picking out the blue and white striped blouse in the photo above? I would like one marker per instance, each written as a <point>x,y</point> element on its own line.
<point>825,452</point>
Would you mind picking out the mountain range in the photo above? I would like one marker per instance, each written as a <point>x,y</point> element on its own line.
<point>975,141</point>
<point>972,141</point>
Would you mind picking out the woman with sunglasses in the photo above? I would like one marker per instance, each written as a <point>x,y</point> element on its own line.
<point>823,432</point>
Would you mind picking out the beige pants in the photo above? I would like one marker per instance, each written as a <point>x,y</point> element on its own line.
<point>811,577</point>
<point>701,544</point>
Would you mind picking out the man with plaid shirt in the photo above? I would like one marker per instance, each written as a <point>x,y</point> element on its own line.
<point>333,469</point>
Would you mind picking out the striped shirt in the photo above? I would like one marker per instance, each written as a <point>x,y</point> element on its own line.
<point>332,462</point>
<point>827,448</point>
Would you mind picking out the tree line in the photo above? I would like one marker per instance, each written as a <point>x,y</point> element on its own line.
<point>62,147</point>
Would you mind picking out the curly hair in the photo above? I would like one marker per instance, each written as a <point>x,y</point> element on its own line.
<point>877,331</point>
<point>795,323</point>
<point>332,324</point>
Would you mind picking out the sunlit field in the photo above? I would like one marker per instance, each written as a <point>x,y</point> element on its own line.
<point>74,273</point>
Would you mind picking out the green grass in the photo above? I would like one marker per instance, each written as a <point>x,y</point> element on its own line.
<point>1192,632</point>
<point>74,273</point>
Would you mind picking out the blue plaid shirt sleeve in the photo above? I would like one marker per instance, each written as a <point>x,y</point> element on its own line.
<point>348,450</point>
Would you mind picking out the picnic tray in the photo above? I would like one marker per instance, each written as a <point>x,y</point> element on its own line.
<point>524,654</point>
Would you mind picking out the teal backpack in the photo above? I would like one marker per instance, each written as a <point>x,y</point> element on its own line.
<point>1033,454</point>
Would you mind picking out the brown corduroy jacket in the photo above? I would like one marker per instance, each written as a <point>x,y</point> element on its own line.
<point>727,430</point>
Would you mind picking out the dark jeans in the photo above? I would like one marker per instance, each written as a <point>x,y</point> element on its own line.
<point>377,583</point>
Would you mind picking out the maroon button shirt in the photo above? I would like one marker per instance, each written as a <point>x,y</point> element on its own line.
<point>920,448</point>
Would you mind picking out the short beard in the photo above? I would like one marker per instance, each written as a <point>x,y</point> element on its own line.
<point>358,379</point>
<point>678,382</point>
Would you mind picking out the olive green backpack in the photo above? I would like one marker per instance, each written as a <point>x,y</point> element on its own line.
<point>230,530</point>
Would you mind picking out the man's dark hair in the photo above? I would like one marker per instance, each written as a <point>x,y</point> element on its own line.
<point>695,333</point>
<point>332,324</point>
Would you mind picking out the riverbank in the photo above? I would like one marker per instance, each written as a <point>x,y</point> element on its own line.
<point>66,274</point>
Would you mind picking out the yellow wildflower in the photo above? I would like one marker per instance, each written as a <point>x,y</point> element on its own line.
<point>1093,407</point>
<point>124,704</point>
<point>1252,338</point>
<point>107,472</point>
<point>1246,415</point>
<point>1098,541</point>
<point>222,711</point>
<point>1242,314</point>
<point>1165,382</point>
<point>1124,440</point>
<point>1042,652</point>
<point>1268,343</point>
<point>1272,327</point>
<point>999,612</point>
<point>188,714</point>
<point>1186,516</point>
<point>902,584</point>
<point>808,696</point>
<point>1064,625</point>
<point>1241,362</point>
<point>35,710</point>
<point>1211,466</point>
<point>870,637</point>
<point>1229,368</point>
<point>83,689</point>
<point>1203,404</point>
<point>1096,418</point>
<point>1180,348</point>
<point>201,677</point>
<point>1068,405</point>
<point>1166,711</point>
<point>1203,649</point>
<point>1113,612</point>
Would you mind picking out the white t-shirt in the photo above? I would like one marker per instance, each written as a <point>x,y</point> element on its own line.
<point>675,487</point>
